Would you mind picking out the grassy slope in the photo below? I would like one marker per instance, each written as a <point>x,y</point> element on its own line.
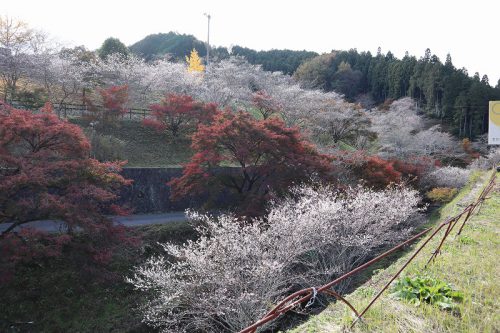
<point>143,147</point>
<point>469,263</point>
<point>55,297</point>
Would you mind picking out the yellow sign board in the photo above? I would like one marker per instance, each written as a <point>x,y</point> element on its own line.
<point>494,125</point>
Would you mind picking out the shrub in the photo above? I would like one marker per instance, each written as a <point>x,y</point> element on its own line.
<point>425,289</point>
<point>372,171</point>
<point>469,150</point>
<point>442,194</point>
<point>105,147</point>
<point>31,99</point>
<point>230,276</point>
<point>376,172</point>
<point>487,162</point>
<point>447,177</point>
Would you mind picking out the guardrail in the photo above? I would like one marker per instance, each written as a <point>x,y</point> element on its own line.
<point>309,294</point>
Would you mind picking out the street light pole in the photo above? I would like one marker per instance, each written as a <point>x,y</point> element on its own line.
<point>208,38</point>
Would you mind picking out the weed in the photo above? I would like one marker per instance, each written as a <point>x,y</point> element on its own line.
<point>426,289</point>
<point>466,240</point>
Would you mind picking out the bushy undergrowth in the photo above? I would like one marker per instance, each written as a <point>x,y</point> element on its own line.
<point>442,194</point>
<point>375,172</point>
<point>487,162</point>
<point>447,177</point>
<point>236,270</point>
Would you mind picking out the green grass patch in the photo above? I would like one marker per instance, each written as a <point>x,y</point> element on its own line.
<point>467,263</point>
<point>144,147</point>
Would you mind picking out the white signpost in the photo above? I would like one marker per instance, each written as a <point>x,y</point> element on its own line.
<point>494,126</point>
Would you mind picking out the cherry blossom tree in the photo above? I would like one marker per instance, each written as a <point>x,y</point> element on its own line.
<point>18,44</point>
<point>226,279</point>
<point>265,104</point>
<point>229,83</point>
<point>402,133</point>
<point>341,121</point>
<point>63,76</point>
<point>491,160</point>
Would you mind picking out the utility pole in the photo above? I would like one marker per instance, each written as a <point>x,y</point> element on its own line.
<point>208,38</point>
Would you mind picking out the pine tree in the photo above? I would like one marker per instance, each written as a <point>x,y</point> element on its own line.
<point>448,63</point>
<point>427,55</point>
<point>194,62</point>
<point>485,79</point>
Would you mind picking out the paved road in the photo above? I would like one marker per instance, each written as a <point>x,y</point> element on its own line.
<point>129,221</point>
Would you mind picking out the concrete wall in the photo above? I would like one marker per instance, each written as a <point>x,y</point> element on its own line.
<point>149,192</point>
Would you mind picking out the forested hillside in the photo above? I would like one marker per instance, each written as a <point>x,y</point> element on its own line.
<point>442,90</point>
<point>286,61</point>
<point>178,46</point>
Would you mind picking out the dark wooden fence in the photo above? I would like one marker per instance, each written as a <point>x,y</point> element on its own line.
<point>69,110</point>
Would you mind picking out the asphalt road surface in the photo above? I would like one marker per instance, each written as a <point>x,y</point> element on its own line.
<point>128,221</point>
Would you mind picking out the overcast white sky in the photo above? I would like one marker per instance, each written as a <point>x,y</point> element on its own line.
<point>469,30</point>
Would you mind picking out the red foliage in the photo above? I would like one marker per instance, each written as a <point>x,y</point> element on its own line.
<point>372,171</point>
<point>46,173</point>
<point>265,104</point>
<point>377,172</point>
<point>471,153</point>
<point>179,114</point>
<point>415,167</point>
<point>114,100</point>
<point>267,156</point>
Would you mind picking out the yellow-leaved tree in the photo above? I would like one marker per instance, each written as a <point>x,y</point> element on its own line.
<point>194,62</point>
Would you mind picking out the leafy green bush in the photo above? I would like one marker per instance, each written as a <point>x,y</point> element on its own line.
<point>31,99</point>
<point>442,194</point>
<point>426,289</point>
<point>106,147</point>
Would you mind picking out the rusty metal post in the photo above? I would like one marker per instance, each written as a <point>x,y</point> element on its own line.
<point>305,294</point>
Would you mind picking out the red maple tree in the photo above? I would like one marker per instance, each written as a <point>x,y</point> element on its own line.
<point>179,114</point>
<point>266,155</point>
<point>46,174</point>
<point>114,100</point>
